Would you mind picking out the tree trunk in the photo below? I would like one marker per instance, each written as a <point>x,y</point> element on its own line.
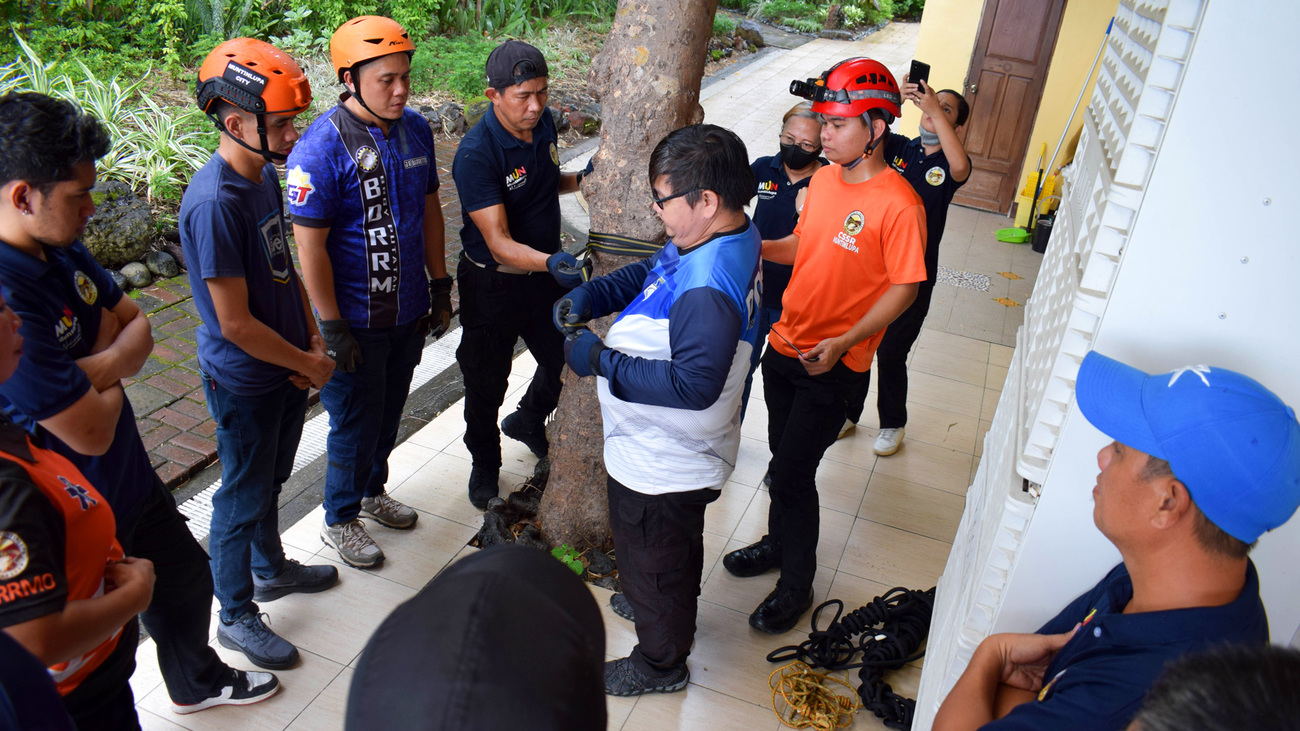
<point>647,78</point>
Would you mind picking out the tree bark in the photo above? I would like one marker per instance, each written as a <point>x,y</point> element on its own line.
<point>647,78</point>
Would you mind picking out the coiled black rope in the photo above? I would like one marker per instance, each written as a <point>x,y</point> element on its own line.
<point>887,632</point>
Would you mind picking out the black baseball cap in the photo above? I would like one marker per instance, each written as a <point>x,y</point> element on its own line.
<point>514,62</point>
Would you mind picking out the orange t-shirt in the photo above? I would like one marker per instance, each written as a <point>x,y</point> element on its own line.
<point>855,240</point>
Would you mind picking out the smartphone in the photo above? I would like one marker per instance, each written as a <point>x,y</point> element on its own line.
<point>918,73</point>
<point>796,349</point>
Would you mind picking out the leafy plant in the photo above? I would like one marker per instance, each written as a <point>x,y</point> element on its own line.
<point>455,64</point>
<point>153,150</point>
<point>569,557</point>
<point>300,42</point>
<point>723,25</point>
<point>219,17</point>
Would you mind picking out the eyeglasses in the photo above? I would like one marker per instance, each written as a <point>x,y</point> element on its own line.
<point>805,146</point>
<point>658,201</point>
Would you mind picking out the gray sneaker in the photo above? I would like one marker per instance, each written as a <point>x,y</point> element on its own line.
<point>354,544</point>
<point>388,511</point>
<point>264,648</point>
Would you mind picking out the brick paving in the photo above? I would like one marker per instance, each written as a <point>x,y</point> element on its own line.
<point>167,394</point>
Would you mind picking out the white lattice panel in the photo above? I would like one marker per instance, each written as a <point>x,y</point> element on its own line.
<point>1142,69</point>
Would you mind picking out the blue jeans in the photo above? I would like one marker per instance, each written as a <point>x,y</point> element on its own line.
<point>257,438</point>
<point>365,408</point>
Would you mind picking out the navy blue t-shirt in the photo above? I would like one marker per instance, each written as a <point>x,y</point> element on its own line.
<point>368,189</point>
<point>775,217</point>
<point>932,179</point>
<point>494,167</point>
<point>60,301</point>
<point>1098,679</point>
<point>233,227</point>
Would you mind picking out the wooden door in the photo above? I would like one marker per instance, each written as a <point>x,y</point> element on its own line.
<point>1003,86</point>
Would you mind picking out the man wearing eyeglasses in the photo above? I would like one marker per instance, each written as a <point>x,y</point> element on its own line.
<point>671,375</point>
<point>507,173</point>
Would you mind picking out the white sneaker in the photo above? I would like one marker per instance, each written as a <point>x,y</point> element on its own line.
<point>847,429</point>
<point>888,441</point>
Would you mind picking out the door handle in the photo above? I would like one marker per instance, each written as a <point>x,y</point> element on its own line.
<point>972,88</point>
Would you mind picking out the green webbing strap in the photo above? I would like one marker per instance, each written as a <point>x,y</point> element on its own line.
<point>620,245</point>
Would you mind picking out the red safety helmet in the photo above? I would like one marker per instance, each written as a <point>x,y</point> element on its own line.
<point>852,87</point>
<point>254,76</point>
<point>366,38</point>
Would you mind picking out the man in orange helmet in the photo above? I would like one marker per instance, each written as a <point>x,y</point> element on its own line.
<point>363,191</point>
<point>258,345</point>
<point>858,254</point>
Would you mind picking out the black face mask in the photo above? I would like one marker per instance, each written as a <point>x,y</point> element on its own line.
<point>796,158</point>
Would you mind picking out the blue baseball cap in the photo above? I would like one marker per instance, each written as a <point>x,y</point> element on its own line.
<point>1231,441</point>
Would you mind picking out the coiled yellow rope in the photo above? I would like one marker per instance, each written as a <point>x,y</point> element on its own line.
<point>809,702</point>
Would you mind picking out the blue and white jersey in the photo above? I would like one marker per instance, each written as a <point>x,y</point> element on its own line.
<point>368,189</point>
<point>677,362</point>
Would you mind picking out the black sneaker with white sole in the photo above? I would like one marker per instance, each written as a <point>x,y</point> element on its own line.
<point>241,688</point>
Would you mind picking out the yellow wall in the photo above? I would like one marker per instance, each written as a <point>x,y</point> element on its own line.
<point>947,41</point>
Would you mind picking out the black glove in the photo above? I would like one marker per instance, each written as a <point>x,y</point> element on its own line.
<point>340,345</point>
<point>567,270</point>
<point>438,321</point>
<point>572,311</point>
<point>582,352</point>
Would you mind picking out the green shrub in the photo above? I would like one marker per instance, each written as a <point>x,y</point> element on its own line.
<point>803,25</point>
<point>154,150</point>
<point>735,4</point>
<point>723,25</point>
<point>455,64</point>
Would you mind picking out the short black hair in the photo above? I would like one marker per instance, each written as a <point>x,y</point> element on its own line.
<point>963,108</point>
<point>43,139</point>
<point>707,157</point>
<point>1227,688</point>
<point>1210,536</point>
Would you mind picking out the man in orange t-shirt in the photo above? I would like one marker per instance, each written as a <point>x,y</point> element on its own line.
<point>858,254</point>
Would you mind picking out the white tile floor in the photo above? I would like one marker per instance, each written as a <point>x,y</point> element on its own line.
<point>885,521</point>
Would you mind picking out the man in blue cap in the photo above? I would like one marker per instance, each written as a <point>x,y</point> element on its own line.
<point>1205,460</point>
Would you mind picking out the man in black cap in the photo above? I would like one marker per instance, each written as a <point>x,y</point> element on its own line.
<point>507,172</point>
<point>449,658</point>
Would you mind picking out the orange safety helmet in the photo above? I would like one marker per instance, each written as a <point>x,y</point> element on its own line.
<point>366,38</point>
<point>254,76</point>
<point>852,87</point>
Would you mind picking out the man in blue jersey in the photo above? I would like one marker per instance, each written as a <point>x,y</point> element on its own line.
<point>363,192</point>
<point>507,173</point>
<point>81,336</point>
<point>671,373</point>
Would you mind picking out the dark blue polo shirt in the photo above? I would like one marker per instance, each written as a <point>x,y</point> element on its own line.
<point>932,179</point>
<point>59,301</point>
<point>494,167</point>
<point>1098,680</point>
<point>775,217</point>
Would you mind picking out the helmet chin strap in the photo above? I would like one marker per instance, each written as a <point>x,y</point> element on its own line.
<point>356,81</point>
<point>267,154</point>
<point>871,145</point>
